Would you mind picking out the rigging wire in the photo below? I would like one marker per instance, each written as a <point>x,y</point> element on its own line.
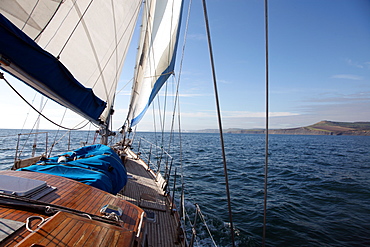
<point>181,166</point>
<point>267,126</point>
<point>30,14</point>
<point>51,17</point>
<point>28,113</point>
<point>164,112</point>
<point>177,100</point>
<point>74,29</point>
<point>88,134</point>
<point>155,127</point>
<point>33,128</point>
<point>205,224</point>
<point>219,123</point>
<point>124,86</point>
<point>159,114</point>
<point>60,25</point>
<point>28,103</point>
<point>47,24</point>
<point>203,219</point>
<point>56,134</point>
<point>37,129</point>
<point>119,63</point>
<point>56,142</point>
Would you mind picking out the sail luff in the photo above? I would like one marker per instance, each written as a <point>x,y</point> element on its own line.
<point>155,62</point>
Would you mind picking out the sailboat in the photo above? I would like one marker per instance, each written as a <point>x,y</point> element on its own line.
<point>72,52</point>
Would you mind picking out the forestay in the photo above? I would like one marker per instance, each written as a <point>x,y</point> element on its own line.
<point>89,38</point>
<point>156,56</point>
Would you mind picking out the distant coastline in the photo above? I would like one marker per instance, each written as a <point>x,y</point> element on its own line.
<point>321,128</point>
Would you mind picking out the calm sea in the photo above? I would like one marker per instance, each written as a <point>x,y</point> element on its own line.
<point>318,186</point>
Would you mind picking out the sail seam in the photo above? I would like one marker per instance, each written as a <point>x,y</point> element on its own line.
<point>74,29</point>
<point>113,86</point>
<point>29,16</point>
<point>60,25</point>
<point>47,24</point>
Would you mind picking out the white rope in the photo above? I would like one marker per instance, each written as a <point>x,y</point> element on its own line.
<point>88,216</point>
<point>205,224</point>
<point>28,222</point>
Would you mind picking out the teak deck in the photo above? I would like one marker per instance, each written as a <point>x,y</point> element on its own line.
<point>65,229</point>
<point>76,196</point>
<point>142,193</point>
<point>143,190</point>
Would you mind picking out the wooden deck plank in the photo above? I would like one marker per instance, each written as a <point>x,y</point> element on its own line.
<point>77,197</point>
<point>76,231</point>
<point>162,232</point>
<point>107,239</point>
<point>56,235</point>
<point>93,236</point>
<point>74,237</point>
<point>140,190</point>
<point>42,233</point>
<point>102,235</point>
<point>84,197</point>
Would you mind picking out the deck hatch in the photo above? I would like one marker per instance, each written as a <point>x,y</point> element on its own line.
<point>24,187</point>
<point>7,227</point>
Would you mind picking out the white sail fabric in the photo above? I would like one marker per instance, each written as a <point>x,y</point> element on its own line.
<point>90,38</point>
<point>156,56</point>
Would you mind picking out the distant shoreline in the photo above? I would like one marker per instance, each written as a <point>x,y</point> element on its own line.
<point>320,128</point>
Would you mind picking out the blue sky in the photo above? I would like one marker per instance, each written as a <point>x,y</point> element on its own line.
<point>319,62</point>
<point>319,58</point>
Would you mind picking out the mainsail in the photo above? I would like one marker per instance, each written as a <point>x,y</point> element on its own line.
<point>76,49</point>
<point>156,56</point>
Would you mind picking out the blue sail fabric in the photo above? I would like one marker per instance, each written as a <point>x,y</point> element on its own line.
<point>96,165</point>
<point>157,86</point>
<point>157,54</point>
<point>44,68</point>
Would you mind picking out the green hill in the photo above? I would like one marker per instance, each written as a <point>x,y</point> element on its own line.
<point>329,128</point>
<point>320,128</point>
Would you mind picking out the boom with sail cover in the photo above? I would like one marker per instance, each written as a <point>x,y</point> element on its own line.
<point>157,53</point>
<point>36,67</point>
<point>84,42</point>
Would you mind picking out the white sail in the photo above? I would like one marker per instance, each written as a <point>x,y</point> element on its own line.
<point>90,38</point>
<point>157,48</point>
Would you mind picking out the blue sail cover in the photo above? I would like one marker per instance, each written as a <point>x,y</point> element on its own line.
<point>96,165</point>
<point>44,68</point>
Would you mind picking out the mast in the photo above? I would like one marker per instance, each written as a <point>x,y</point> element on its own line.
<point>104,130</point>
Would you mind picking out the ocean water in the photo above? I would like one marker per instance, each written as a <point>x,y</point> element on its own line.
<point>318,186</point>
